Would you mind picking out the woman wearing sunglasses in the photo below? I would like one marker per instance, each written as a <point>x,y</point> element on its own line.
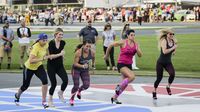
<point>128,48</point>
<point>167,45</point>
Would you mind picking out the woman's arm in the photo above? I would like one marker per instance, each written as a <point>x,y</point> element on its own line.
<point>164,47</point>
<point>33,59</point>
<point>114,44</point>
<point>53,56</point>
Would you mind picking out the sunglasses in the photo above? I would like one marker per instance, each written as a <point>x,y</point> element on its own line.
<point>89,22</point>
<point>171,34</point>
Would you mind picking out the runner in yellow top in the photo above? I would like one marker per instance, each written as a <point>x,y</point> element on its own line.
<point>34,66</point>
<point>38,51</point>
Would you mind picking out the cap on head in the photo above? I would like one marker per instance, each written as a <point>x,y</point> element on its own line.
<point>42,36</point>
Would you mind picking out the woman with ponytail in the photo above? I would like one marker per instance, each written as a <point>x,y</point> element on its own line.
<point>34,65</point>
<point>80,69</point>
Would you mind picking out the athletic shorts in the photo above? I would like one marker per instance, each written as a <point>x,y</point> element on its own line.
<point>121,65</point>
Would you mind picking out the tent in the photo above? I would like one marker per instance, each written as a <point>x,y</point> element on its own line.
<point>107,3</point>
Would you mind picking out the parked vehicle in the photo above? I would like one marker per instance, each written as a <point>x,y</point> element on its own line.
<point>11,19</point>
<point>184,15</point>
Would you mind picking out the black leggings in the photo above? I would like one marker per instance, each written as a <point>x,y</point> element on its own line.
<point>159,70</point>
<point>111,56</point>
<point>52,71</point>
<point>28,74</point>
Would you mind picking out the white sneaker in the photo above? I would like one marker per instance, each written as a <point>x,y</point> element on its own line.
<point>136,68</point>
<point>114,68</point>
<point>60,96</point>
<point>108,68</point>
<point>50,104</point>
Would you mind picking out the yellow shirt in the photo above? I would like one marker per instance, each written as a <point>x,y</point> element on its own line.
<point>39,52</point>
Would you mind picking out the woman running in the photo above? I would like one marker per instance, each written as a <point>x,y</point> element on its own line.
<point>168,45</point>
<point>55,66</point>
<point>128,48</point>
<point>83,55</point>
<point>34,66</point>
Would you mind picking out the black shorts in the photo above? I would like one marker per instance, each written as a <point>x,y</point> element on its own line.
<point>121,65</point>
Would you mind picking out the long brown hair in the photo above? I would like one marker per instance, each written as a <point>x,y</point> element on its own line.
<point>107,25</point>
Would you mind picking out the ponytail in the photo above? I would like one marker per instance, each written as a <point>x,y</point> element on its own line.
<point>35,43</point>
<point>78,47</point>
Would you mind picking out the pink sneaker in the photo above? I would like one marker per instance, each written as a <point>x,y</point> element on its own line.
<point>71,102</point>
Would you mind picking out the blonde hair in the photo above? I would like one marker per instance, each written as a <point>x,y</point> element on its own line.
<point>124,28</point>
<point>162,34</point>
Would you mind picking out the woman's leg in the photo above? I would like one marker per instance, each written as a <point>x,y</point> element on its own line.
<point>128,76</point>
<point>112,58</point>
<point>170,69</point>
<point>107,61</point>
<point>22,52</point>
<point>159,72</point>
<point>75,77</point>
<point>85,77</point>
<point>52,77</point>
<point>41,74</point>
<point>27,76</point>
<point>63,75</point>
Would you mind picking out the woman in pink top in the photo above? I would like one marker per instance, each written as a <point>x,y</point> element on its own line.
<point>128,48</point>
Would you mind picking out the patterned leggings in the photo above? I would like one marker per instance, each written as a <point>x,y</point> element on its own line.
<point>76,74</point>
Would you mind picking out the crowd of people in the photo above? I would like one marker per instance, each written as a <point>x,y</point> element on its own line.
<point>69,16</point>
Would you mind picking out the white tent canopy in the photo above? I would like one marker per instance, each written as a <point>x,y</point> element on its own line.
<point>172,1</point>
<point>107,3</point>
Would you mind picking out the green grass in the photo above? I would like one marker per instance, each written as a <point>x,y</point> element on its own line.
<point>186,58</point>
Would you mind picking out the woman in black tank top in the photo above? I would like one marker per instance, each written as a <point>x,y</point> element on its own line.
<point>168,45</point>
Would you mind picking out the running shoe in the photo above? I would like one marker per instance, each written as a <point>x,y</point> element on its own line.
<point>117,89</point>
<point>113,100</point>
<point>79,95</point>
<point>50,104</point>
<point>168,90</point>
<point>71,102</point>
<point>45,105</point>
<point>60,96</point>
<point>154,95</point>
<point>16,99</point>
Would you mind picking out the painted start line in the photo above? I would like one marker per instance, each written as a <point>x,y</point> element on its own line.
<point>136,98</point>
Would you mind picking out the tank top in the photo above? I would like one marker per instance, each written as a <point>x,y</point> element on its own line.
<point>166,58</point>
<point>83,60</point>
<point>127,53</point>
